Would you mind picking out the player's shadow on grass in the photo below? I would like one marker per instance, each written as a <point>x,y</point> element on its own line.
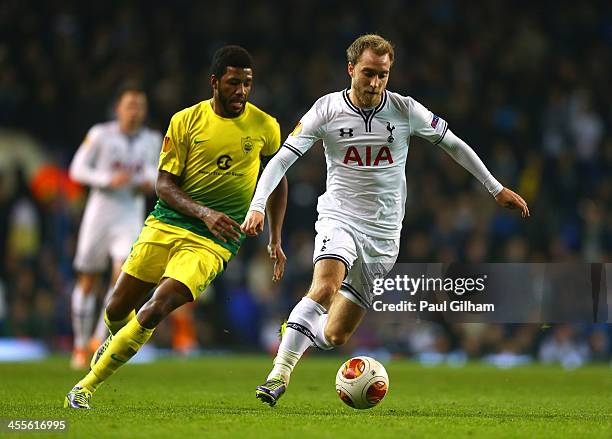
<point>420,413</point>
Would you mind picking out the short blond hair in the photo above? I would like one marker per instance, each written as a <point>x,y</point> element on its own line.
<point>378,44</point>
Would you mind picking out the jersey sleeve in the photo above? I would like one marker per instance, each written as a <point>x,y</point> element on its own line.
<point>86,167</point>
<point>466,157</point>
<point>309,129</point>
<point>175,146</point>
<point>304,135</point>
<point>425,124</point>
<point>273,138</point>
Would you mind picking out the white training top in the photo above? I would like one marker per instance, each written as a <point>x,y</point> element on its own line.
<point>365,152</point>
<point>105,151</point>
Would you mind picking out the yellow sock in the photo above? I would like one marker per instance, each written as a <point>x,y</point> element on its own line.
<point>122,347</point>
<point>115,326</point>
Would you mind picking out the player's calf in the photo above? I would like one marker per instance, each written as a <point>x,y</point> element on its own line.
<point>342,321</point>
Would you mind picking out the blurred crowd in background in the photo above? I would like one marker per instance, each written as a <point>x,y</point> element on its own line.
<point>526,84</point>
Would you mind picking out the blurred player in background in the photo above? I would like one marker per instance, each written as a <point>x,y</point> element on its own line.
<point>208,169</point>
<point>366,132</point>
<point>118,161</point>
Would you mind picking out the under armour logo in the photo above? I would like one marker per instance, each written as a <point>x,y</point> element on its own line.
<point>324,246</point>
<point>346,131</point>
<point>390,129</point>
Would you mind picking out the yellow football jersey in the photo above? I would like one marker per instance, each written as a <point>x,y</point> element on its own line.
<point>218,160</point>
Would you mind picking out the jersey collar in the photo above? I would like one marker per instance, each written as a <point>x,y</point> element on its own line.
<point>209,104</point>
<point>369,115</point>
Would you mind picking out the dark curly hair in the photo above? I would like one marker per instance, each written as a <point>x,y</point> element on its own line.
<point>230,56</point>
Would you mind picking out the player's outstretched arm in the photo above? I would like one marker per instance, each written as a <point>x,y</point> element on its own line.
<point>83,170</point>
<point>219,224</point>
<point>466,157</point>
<point>511,200</point>
<point>271,177</point>
<point>276,206</point>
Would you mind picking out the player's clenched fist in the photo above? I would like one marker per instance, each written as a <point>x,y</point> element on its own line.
<point>253,223</point>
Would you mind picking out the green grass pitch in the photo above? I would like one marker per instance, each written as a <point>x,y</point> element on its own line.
<point>214,397</point>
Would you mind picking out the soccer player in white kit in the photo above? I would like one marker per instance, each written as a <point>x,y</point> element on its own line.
<point>366,132</point>
<point>118,161</point>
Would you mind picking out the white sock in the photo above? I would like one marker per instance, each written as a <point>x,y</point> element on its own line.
<point>101,331</point>
<point>299,335</point>
<point>83,308</point>
<point>321,341</point>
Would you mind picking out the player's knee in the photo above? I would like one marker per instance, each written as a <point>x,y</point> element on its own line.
<point>86,283</point>
<point>117,307</point>
<point>323,291</point>
<point>152,313</point>
<point>114,310</point>
<point>337,338</point>
<point>158,307</point>
<point>335,335</point>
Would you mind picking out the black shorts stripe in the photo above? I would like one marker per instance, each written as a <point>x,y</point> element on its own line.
<point>334,256</point>
<point>352,290</point>
<point>337,257</point>
<point>303,329</point>
<point>442,135</point>
<point>293,149</point>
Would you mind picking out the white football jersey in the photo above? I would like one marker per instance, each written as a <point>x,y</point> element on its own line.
<point>105,151</point>
<point>365,152</point>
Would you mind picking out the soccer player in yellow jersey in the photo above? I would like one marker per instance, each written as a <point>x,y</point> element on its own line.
<point>208,169</point>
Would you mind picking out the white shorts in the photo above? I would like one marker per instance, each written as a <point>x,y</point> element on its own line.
<point>365,258</point>
<point>101,239</point>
